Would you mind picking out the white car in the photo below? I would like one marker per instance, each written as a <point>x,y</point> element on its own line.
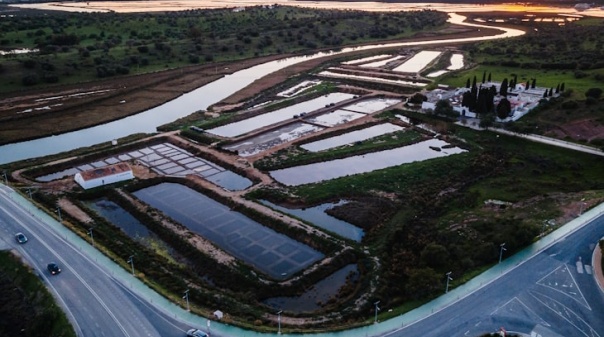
<point>196,333</point>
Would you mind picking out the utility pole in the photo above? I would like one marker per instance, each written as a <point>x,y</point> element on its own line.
<point>131,261</point>
<point>279,321</point>
<point>376,311</point>
<point>91,236</point>
<point>186,298</point>
<point>59,213</point>
<point>449,278</point>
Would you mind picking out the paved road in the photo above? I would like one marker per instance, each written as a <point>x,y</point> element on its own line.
<point>96,303</point>
<point>552,294</point>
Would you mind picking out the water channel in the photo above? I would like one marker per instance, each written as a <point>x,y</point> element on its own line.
<point>198,99</point>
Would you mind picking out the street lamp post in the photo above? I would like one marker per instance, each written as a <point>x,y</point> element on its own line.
<point>5,179</point>
<point>376,311</point>
<point>449,278</point>
<point>29,192</point>
<point>131,261</point>
<point>501,249</point>
<point>279,321</point>
<point>186,297</point>
<point>59,213</point>
<point>91,236</point>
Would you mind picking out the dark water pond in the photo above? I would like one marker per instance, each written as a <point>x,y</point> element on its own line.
<point>118,216</point>
<point>317,216</point>
<point>272,253</point>
<point>318,294</point>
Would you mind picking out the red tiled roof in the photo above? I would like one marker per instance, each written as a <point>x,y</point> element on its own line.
<point>105,171</point>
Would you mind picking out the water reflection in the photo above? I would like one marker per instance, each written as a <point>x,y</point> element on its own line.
<point>312,173</point>
<point>316,215</point>
<point>119,217</point>
<point>268,251</point>
<point>318,295</point>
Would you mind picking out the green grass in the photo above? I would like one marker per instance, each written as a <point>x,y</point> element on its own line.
<point>545,78</point>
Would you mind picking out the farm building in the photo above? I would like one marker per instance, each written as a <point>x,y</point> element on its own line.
<point>104,175</point>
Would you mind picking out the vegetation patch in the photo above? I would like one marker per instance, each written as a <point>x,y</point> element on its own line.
<point>27,307</point>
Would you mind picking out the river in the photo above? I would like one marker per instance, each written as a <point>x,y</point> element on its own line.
<point>198,99</point>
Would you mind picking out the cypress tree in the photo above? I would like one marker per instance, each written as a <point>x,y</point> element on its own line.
<point>534,83</point>
<point>484,76</point>
<point>562,87</point>
<point>468,83</point>
<point>503,90</point>
<point>489,77</point>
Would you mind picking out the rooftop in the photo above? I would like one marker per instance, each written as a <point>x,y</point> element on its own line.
<point>105,171</point>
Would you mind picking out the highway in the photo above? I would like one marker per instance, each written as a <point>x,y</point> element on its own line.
<point>96,304</point>
<point>548,292</point>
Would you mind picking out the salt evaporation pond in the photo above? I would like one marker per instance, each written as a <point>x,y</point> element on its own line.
<point>372,105</point>
<point>456,62</point>
<point>366,59</point>
<point>119,217</point>
<point>334,118</point>
<point>418,62</point>
<point>270,139</point>
<point>313,173</point>
<point>280,115</point>
<point>351,137</point>
<point>167,160</point>
<point>371,79</point>
<point>381,63</point>
<point>273,253</point>
<point>317,216</point>
<point>321,292</point>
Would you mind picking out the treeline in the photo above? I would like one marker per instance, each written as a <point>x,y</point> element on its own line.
<point>83,46</point>
<point>569,47</point>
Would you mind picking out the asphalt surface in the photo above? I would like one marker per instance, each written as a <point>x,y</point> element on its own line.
<point>96,303</point>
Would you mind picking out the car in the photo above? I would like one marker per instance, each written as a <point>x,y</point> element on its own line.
<point>196,333</point>
<point>21,238</point>
<point>53,268</point>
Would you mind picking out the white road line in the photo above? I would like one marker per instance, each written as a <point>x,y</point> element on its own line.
<point>588,269</point>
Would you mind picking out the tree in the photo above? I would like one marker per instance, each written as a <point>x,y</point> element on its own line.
<point>489,77</point>
<point>561,87</point>
<point>435,256</point>
<point>444,108</point>
<point>417,98</point>
<point>468,83</point>
<point>484,76</point>
<point>504,108</point>
<point>503,90</point>
<point>594,92</point>
<point>558,88</point>
<point>474,81</point>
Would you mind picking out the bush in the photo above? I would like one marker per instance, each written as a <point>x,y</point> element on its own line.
<point>31,79</point>
<point>570,105</point>
<point>593,92</point>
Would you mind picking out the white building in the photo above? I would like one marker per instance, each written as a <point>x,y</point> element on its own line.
<point>104,175</point>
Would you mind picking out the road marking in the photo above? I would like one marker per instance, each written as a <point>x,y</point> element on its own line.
<point>588,269</point>
<point>579,267</point>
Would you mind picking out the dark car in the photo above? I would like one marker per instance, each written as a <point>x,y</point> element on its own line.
<point>196,333</point>
<point>53,268</point>
<point>21,238</point>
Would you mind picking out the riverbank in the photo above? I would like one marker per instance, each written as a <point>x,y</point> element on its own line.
<point>56,110</point>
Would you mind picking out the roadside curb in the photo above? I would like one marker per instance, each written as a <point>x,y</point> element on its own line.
<point>596,263</point>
